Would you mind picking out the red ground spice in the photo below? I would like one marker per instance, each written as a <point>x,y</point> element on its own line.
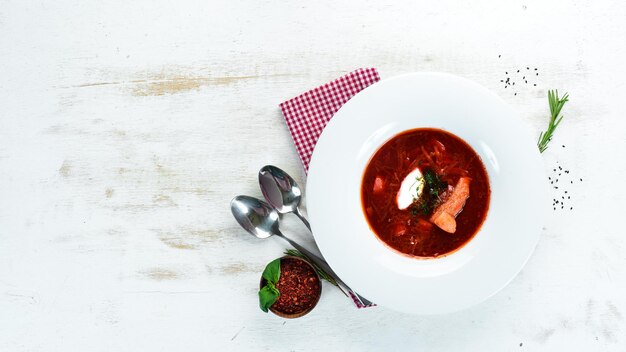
<point>298,285</point>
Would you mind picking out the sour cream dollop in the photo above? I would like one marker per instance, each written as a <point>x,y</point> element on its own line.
<point>410,189</point>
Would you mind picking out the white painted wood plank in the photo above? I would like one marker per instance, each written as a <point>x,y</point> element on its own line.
<point>126,128</point>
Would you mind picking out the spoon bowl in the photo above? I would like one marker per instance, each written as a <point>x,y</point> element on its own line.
<point>281,191</point>
<point>255,216</point>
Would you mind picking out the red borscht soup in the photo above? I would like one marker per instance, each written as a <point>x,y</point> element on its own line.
<point>425,193</point>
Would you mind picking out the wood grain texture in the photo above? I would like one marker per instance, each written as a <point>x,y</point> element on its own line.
<point>127,127</point>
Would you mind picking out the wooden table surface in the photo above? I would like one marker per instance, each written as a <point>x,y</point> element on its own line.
<point>127,127</point>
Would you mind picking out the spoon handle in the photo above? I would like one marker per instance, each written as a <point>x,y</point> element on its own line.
<point>321,263</point>
<point>324,266</point>
<point>304,220</point>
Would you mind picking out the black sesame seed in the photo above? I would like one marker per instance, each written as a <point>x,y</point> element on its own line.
<point>506,73</point>
<point>515,94</point>
<point>501,55</point>
<point>513,83</point>
<point>571,181</point>
<point>563,145</point>
<point>535,69</point>
<point>517,70</point>
<point>524,77</point>
<point>528,68</point>
<point>561,207</point>
<point>526,82</point>
<point>571,208</point>
<point>581,180</point>
<point>537,74</point>
<point>568,197</point>
<point>501,80</point>
<point>535,84</point>
<point>556,187</point>
<point>565,191</point>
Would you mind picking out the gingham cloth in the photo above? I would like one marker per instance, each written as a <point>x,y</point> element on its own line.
<point>307,114</point>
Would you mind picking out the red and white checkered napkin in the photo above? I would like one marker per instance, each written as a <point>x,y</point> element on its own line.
<point>307,114</point>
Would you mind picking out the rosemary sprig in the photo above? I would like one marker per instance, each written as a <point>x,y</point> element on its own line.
<point>556,104</point>
<point>321,272</point>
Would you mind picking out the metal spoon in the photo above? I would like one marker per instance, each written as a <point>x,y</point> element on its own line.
<point>261,220</point>
<point>281,191</point>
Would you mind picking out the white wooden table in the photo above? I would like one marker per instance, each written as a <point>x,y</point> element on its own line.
<point>127,127</point>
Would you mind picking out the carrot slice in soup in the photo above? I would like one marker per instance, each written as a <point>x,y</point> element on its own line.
<point>378,185</point>
<point>446,213</point>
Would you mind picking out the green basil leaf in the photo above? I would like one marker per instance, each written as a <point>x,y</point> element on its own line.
<point>267,296</point>
<point>273,288</point>
<point>272,271</point>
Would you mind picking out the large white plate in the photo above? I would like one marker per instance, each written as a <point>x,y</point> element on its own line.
<point>518,200</point>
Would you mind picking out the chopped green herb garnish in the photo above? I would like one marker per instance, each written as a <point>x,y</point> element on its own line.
<point>424,208</point>
<point>418,179</point>
<point>433,182</point>
<point>433,186</point>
